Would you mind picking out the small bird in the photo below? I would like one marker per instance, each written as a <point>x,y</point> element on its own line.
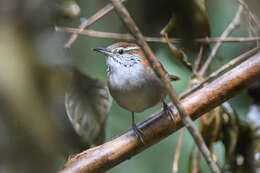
<point>132,81</point>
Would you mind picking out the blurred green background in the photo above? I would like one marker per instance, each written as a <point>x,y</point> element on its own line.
<point>36,71</point>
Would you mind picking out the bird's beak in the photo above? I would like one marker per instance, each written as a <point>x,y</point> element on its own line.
<point>104,51</point>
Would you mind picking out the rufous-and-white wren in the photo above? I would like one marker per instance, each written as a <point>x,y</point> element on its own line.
<point>132,81</point>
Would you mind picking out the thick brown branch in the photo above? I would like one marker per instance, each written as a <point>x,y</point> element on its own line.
<point>159,126</point>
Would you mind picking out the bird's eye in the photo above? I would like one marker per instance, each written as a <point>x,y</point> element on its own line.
<point>120,51</point>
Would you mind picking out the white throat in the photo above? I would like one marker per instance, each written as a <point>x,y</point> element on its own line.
<point>124,74</point>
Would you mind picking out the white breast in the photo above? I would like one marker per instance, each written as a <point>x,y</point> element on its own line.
<point>134,88</point>
<point>121,77</point>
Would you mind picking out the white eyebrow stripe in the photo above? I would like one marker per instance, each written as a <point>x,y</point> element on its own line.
<point>131,48</point>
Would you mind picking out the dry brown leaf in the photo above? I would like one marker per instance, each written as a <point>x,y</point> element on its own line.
<point>87,104</point>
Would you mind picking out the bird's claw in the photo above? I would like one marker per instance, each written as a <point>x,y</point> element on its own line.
<point>169,111</point>
<point>138,133</point>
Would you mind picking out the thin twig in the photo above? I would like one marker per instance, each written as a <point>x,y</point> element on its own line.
<point>221,70</point>
<point>235,22</point>
<point>158,126</point>
<point>129,22</point>
<point>111,35</point>
<point>252,16</point>
<point>253,22</point>
<point>180,54</point>
<point>197,161</point>
<point>129,37</point>
<point>226,40</point>
<point>91,20</point>
<point>198,59</point>
<point>194,162</point>
<point>177,153</point>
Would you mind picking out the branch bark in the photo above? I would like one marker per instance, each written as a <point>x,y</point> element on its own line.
<point>158,126</point>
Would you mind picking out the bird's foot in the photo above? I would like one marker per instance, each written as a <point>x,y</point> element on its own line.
<point>169,111</point>
<point>138,133</point>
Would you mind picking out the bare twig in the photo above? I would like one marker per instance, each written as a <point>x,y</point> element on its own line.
<point>129,22</point>
<point>235,22</point>
<point>197,161</point>
<point>228,39</point>
<point>198,59</point>
<point>129,37</point>
<point>90,21</point>
<point>221,70</point>
<point>180,54</point>
<point>194,159</point>
<point>158,126</point>
<point>110,35</point>
<point>253,22</point>
<point>177,153</point>
<point>252,16</point>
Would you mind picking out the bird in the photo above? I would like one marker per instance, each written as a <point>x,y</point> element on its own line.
<point>132,82</point>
